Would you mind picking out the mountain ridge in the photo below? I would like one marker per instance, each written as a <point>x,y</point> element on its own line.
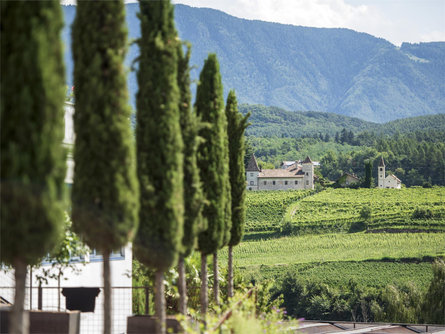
<point>334,70</point>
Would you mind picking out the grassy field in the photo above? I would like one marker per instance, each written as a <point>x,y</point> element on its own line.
<point>404,209</point>
<point>265,209</point>
<point>375,274</point>
<point>320,246</point>
<point>338,247</point>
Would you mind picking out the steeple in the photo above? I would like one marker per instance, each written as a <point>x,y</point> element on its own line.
<point>382,163</point>
<point>307,160</point>
<point>252,166</point>
<point>381,173</point>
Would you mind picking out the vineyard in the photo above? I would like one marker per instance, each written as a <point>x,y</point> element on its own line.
<point>338,247</point>
<point>265,209</point>
<point>311,233</point>
<point>375,274</point>
<point>335,210</point>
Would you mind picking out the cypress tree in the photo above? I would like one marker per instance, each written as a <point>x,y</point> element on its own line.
<point>211,162</point>
<point>192,187</point>
<point>368,175</point>
<point>32,91</point>
<point>104,194</point>
<point>237,124</point>
<point>159,147</point>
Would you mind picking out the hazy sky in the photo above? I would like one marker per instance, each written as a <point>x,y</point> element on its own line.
<point>395,20</point>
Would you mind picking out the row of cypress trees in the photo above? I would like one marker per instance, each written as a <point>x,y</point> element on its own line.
<point>184,183</point>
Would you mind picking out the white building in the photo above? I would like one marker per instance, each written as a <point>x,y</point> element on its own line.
<point>390,181</point>
<point>88,271</point>
<point>296,176</point>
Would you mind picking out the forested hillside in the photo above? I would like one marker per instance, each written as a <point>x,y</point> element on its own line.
<point>302,68</point>
<point>277,122</point>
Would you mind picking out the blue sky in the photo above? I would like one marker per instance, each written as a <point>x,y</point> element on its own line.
<point>394,20</point>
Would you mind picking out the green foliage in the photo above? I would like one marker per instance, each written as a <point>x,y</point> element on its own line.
<point>61,258</point>
<point>315,300</point>
<point>366,213</point>
<point>32,90</point>
<point>277,122</point>
<point>190,126</point>
<point>212,161</point>
<point>105,190</point>
<point>265,209</point>
<point>358,226</point>
<point>422,213</point>
<point>392,209</point>
<point>368,273</point>
<point>336,247</point>
<point>400,304</point>
<point>236,125</point>
<point>368,182</point>
<point>159,142</point>
<point>433,308</point>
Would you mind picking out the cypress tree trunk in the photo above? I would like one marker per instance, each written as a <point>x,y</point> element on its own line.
<point>230,274</point>
<point>215,278</point>
<point>182,287</point>
<point>107,293</point>
<point>160,302</point>
<point>204,284</point>
<point>18,324</point>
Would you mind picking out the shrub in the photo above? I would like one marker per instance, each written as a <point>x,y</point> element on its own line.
<point>421,213</point>
<point>358,226</point>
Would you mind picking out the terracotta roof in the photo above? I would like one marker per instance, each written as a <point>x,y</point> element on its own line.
<point>395,177</point>
<point>352,175</point>
<point>307,160</point>
<point>252,166</point>
<point>382,163</point>
<point>284,173</point>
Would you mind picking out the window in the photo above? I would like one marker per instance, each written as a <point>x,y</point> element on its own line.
<point>296,182</point>
<point>251,183</point>
<point>250,188</point>
<point>251,174</point>
<point>307,173</point>
<point>95,255</point>
<point>307,182</point>
<point>265,182</point>
<point>381,169</point>
<point>273,182</point>
<point>285,182</point>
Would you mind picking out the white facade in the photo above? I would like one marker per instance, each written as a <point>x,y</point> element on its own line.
<point>89,273</point>
<point>390,181</point>
<point>295,176</point>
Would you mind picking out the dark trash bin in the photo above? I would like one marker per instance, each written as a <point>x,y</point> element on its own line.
<point>80,299</point>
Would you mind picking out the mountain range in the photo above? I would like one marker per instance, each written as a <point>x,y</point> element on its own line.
<point>307,69</point>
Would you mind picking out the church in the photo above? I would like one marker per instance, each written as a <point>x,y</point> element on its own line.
<point>390,181</point>
<point>297,176</point>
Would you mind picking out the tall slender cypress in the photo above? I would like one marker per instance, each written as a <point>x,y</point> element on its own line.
<point>104,194</point>
<point>159,147</point>
<point>193,199</point>
<point>368,182</point>
<point>32,90</point>
<point>237,124</point>
<point>211,162</point>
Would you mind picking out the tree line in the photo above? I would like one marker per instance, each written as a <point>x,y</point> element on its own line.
<point>178,185</point>
<point>416,158</point>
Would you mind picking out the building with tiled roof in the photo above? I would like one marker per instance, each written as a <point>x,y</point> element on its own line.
<point>295,176</point>
<point>390,181</point>
<point>347,180</point>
